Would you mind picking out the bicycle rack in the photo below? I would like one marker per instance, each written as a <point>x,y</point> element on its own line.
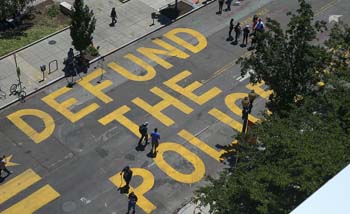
<point>50,63</point>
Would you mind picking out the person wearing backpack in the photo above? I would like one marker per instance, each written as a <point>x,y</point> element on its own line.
<point>143,129</point>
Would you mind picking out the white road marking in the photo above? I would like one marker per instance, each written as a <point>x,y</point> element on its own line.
<point>334,18</point>
<point>151,164</point>
<point>85,200</point>
<point>246,76</point>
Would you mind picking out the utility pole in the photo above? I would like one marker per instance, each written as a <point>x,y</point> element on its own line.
<point>245,114</point>
<point>18,71</point>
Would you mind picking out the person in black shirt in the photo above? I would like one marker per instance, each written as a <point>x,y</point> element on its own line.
<point>246,32</point>
<point>143,129</point>
<point>113,16</point>
<point>237,31</point>
<point>230,38</point>
<point>127,175</point>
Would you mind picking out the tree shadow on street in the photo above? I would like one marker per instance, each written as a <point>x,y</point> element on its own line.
<point>167,15</point>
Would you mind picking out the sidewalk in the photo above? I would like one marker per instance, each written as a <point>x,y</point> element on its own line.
<point>134,19</point>
<point>192,208</point>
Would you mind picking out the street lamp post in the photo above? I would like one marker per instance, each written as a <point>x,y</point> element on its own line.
<point>245,113</point>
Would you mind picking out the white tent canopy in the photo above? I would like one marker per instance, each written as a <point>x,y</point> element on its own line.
<point>332,198</point>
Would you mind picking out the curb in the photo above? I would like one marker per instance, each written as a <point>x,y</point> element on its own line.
<point>33,43</point>
<point>100,57</point>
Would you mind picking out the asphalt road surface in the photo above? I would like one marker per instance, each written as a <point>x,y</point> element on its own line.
<point>67,146</point>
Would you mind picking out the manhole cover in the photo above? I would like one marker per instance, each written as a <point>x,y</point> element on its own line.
<point>69,206</point>
<point>52,42</point>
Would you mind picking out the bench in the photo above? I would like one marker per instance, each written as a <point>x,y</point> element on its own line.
<point>66,8</point>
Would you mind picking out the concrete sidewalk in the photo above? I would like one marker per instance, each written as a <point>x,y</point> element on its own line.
<point>193,208</point>
<point>134,19</point>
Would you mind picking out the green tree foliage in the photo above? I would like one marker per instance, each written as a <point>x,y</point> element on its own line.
<point>287,60</point>
<point>294,156</point>
<point>339,48</point>
<point>297,152</point>
<point>82,26</point>
<point>9,7</point>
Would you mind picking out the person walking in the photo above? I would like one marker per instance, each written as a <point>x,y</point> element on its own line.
<point>238,31</point>
<point>246,32</point>
<point>132,202</point>
<point>3,166</point>
<point>127,175</point>
<point>230,38</point>
<point>113,16</point>
<point>251,96</point>
<point>228,3</point>
<point>155,137</point>
<point>221,4</point>
<point>143,129</point>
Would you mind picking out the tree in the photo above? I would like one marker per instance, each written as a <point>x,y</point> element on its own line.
<point>287,60</point>
<point>294,156</point>
<point>9,7</point>
<point>82,26</point>
<point>339,48</point>
<point>296,152</point>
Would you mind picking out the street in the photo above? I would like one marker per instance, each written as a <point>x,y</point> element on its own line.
<point>67,146</point>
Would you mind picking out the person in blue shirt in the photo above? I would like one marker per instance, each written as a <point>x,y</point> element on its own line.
<point>155,137</point>
<point>260,26</point>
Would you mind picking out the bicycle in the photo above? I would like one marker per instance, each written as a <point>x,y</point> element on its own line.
<point>2,94</point>
<point>18,89</point>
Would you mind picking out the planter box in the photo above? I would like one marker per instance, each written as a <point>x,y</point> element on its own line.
<point>66,8</point>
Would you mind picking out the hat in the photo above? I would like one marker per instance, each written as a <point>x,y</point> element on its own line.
<point>247,25</point>
<point>146,123</point>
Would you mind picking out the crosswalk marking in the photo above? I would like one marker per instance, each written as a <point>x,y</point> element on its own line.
<point>18,184</point>
<point>34,201</point>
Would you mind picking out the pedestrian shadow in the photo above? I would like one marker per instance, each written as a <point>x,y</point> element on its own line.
<point>124,189</point>
<point>230,154</point>
<point>152,155</point>
<point>2,179</point>
<point>229,39</point>
<point>141,147</point>
<point>251,48</point>
<point>73,69</point>
<point>234,43</point>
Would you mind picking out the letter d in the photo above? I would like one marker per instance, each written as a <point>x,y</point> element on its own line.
<point>37,137</point>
